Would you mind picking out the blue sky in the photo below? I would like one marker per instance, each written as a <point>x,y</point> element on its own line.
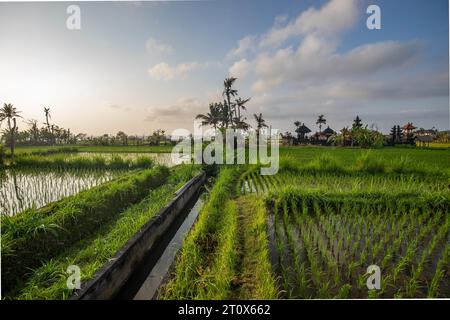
<point>141,66</point>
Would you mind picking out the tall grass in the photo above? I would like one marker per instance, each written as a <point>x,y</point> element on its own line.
<point>210,237</point>
<point>35,236</point>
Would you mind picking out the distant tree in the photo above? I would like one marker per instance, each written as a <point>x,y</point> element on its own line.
<point>228,92</point>
<point>213,117</point>
<point>47,116</point>
<point>240,105</point>
<point>122,137</point>
<point>34,130</point>
<point>320,121</point>
<point>357,123</point>
<point>260,123</point>
<point>10,113</point>
<point>393,135</point>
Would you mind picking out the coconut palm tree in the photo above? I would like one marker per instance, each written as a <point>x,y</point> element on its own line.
<point>320,121</point>
<point>213,117</point>
<point>47,116</point>
<point>240,105</point>
<point>260,122</point>
<point>10,113</point>
<point>227,93</point>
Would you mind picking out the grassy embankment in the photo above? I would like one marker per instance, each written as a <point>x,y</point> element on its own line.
<point>85,229</point>
<point>225,247</point>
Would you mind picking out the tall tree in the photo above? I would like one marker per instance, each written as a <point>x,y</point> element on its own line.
<point>320,121</point>
<point>260,123</point>
<point>47,116</point>
<point>10,113</point>
<point>240,105</point>
<point>229,92</point>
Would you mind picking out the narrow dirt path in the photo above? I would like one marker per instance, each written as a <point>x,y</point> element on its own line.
<point>254,278</point>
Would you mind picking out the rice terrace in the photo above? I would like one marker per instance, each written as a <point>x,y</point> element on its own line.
<point>361,212</point>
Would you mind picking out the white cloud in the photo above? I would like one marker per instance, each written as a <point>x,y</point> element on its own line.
<point>240,68</point>
<point>154,46</point>
<point>316,61</point>
<point>245,45</point>
<point>333,18</point>
<point>163,71</point>
<point>183,108</point>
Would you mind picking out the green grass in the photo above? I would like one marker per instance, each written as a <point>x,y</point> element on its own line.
<point>90,254</point>
<point>225,255</point>
<point>62,161</point>
<point>82,148</point>
<point>426,157</point>
<point>37,235</point>
<point>205,263</point>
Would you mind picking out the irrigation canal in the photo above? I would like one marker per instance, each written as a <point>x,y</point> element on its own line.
<point>156,266</point>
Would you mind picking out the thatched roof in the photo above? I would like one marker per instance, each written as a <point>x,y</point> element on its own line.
<point>328,131</point>
<point>303,129</point>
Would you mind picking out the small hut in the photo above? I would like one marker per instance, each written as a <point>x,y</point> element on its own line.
<point>322,137</point>
<point>424,137</point>
<point>302,131</point>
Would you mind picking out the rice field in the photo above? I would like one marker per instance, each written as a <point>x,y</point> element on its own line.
<point>329,214</point>
<point>85,229</point>
<point>36,180</point>
<point>27,188</point>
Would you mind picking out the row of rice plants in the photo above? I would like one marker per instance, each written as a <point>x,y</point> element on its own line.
<point>49,280</point>
<point>59,161</point>
<point>31,188</point>
<point>333,243</point>
<point>38,235</point>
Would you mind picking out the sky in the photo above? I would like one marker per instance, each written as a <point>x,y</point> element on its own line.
<point>141,66</point>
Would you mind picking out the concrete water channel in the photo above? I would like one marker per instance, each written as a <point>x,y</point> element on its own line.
<point>142,265</point>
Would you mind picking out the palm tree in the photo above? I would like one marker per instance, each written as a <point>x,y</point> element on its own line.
<point>47,116</point>
<point>9,113</point>
<point>260,123</point>
<point>229,92</point>
<point>240,104</point>
<point>320,121</point>
<point>213,117</point>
